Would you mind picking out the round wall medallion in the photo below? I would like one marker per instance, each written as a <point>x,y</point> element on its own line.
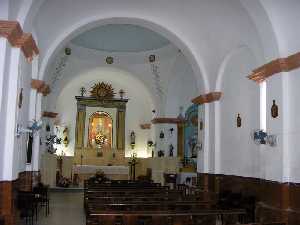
<point>68,51</point>
<point>109,60</point>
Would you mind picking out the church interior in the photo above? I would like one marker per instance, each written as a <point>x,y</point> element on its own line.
<point>149,112</point>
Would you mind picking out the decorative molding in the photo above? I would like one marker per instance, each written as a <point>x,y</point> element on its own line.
<point>102,90</point>
<point>40,86</point>
<point>45,90</point>
<point>37,84</point>
<point>27,45</point>
<point>207,98</point>
<point>12,31</point>
<point>49,114</point>
<point>276,66</point>
<point>145,126</point>
<point>59,66</point>
<point>118,103</point>
<point>168,120</point>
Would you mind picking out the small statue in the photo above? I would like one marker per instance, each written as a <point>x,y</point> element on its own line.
<point>171,149</point>
<point>132,139</point>
<point>180,116</point>
<point>161,153</point>
<point>161,135</point>
<point>274,110</point>
<point>238,121</point>
<point>201,125</point>
<point>66,139</point>
<point>82,91</point>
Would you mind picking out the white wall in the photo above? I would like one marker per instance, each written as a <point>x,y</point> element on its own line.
<point>238,155</point>
<point>14,154</point>
<point>284,88</point>
<point>181,89</point>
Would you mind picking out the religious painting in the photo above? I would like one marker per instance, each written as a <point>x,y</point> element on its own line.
<point>191,132</point>
<point>100,130</point>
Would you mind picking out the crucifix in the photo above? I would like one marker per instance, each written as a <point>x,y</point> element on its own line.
<point>82,91</point>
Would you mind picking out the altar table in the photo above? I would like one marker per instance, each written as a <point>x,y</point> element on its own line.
<point>112,172</point>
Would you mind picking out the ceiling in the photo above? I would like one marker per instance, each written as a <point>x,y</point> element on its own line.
<point>120,38</point>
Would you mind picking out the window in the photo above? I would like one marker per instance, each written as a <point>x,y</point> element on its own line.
<point>263,105</point>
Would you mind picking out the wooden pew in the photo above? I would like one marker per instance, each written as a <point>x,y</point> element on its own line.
<point>127,203</point>
<point>149,206</point>
<point>178,217</point>
<point>271,223</point>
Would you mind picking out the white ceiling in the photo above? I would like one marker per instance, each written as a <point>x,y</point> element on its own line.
<point>120,38</point>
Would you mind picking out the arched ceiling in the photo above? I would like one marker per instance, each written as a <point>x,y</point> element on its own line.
<point>120,38</point>
<point>196,28</point>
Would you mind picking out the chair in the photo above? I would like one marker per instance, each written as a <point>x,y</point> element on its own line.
<point>170,179</point>
<point>1,220</point>
<point>41,193</point>
<point>27,205</point>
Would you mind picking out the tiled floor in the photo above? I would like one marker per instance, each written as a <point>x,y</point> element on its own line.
<point>66,208</point>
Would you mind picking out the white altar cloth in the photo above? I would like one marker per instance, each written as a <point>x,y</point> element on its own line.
<point>108,170</point>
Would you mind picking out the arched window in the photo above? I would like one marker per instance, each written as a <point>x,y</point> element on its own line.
<point>100,130</point>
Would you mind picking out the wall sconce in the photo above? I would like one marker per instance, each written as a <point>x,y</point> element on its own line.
<point>132,139</point>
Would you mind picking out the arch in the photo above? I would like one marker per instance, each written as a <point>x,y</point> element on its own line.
<point>225,61</point>
<point>88,23</point>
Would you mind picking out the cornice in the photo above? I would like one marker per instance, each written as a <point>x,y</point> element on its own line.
<point>12,31</point>
<point>276,66</point>
<point>207,98</point>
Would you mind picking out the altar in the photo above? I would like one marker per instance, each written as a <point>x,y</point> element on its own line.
<point>100,128</point>
<point>84,172</point>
